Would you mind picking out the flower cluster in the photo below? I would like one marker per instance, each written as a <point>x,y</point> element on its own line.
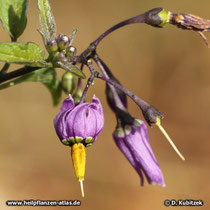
<point>61,48</point>
<point>79,123</point>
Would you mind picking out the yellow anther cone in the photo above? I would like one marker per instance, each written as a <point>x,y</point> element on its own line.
<point>78,155</point>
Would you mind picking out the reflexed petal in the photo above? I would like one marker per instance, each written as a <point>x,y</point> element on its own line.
<point>99,116</point>
<point>96,101</point>
<point>68,104</point>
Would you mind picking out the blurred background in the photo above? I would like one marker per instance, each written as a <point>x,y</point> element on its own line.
<point>169,68</point>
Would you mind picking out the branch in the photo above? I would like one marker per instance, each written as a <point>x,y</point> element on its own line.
<point>17,73</point>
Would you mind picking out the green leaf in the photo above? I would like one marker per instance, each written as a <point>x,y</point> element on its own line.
<point>72,36</point>
<point>19,53</point>
<point>46,20</point>
<point>13,15</point>
<point>71,68</point>
<point>47,76</point>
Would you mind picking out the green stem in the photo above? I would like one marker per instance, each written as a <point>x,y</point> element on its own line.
<point>12,83</point>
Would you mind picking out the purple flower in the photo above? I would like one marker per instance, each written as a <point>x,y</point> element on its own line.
<point>133,142</point>
<point>79,123</point>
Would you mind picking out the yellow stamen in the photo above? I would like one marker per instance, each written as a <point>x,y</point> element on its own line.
<point>78,155</point>
<point>168,138</point>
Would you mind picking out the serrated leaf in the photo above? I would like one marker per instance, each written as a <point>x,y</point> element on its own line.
<point>71,68</point>
<point>46,76</point>
<point>46,20</point>
<point>19,53</point>
<point>13,15</point>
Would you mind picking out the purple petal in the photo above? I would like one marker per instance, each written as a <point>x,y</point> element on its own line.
<point>138,144</point>
<point>60,125</point>
<point>85,122</point>
<point>70,120</point>
<point>68,104</point>
<point>120,142</point>
<point>96,101</point>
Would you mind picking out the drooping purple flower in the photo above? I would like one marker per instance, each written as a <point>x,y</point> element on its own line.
<point>79,123</point>
<point>133,142</point>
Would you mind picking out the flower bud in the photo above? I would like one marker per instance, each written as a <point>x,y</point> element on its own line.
<point>63,41</point>
<point>61,56</point>
<point>71,51</point>
<point>77,95</point>
<point>68,82</point>
<point>157,17</point>
<point>52,46</point>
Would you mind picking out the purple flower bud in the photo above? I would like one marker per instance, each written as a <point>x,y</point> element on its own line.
<point>71,51</point>
<point>61,56</point>
<point>63,41</point>
<point>52,46</point>
<point>79,123</point>
<point>133,142</point>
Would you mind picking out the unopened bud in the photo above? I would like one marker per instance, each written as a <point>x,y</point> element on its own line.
<point>157,17</point>
<point>52,46</point>
<point>68,82</point>
<point>61,56</point>
<point>77,95</point>
<point>71,51</point>
<point>63,41</point>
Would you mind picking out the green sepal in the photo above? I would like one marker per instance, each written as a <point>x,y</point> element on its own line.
<point>65,142</point>
<point>72,140</point>
<point>127,129</point>
<point>119,132</point>
<point>47,76</point>
<point>88,140</point>
<point>13,15</point>
<point>78,139</point>
<point>164,16</point>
